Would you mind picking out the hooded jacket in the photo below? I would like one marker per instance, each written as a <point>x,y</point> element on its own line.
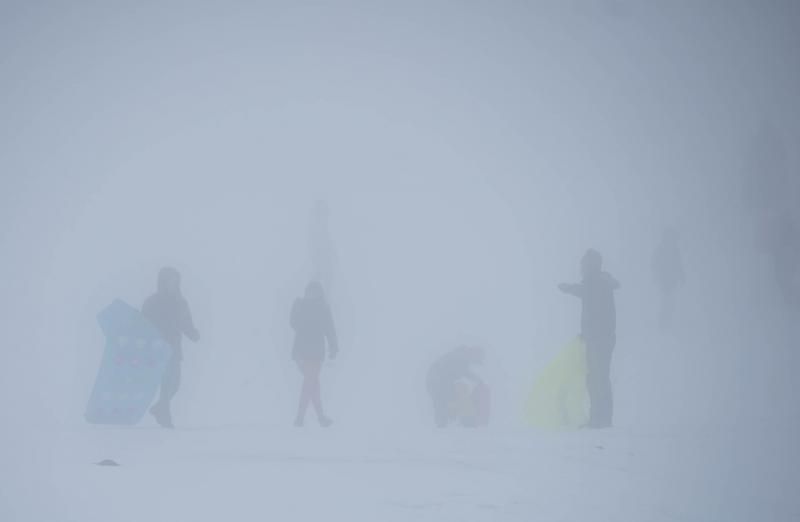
<point>169,312</point>
<point>598,309</point>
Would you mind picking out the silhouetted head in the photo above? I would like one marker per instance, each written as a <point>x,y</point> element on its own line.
<point>591,263</point>
<point>169,281</point>
<point>314,291</point>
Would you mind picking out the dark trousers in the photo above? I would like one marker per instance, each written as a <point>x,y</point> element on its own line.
<point>310,392</point>
<point>170,382</point>
<point>598,381</point>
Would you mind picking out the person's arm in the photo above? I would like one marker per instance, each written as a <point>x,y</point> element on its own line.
<point>330,334</point>
<point>187,324</point>
<point>572,289</point>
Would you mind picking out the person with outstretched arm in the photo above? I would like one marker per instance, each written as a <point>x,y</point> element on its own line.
<point>312,322</point>
<point>598,330</point>
<point>169,312</point>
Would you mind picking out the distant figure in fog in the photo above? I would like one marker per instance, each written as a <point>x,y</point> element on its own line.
<point>668,273</point>
<point>169,312</point>
<point>598,330</point>
<point>322,247</point>
<point>783,246</point>
<point>455,391</point>
<point>312,322</point>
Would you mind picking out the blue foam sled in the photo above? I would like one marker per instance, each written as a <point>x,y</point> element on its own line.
<point>130,372</point>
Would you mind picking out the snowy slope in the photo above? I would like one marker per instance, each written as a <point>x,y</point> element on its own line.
<point>259,472</point>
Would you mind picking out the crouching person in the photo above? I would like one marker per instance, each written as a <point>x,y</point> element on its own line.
<point>458,394</point>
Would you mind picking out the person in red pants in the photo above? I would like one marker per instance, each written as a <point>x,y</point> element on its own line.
<point>313,327</point>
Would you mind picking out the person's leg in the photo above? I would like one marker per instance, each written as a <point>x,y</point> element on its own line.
<point>311,392</point>
<point>315,391</point>
<point>609,390</point>
<point>305,394</point>
<point>605,396</point>
<point>170,382</point>
<point>599,383</point>
<point>592,383</point>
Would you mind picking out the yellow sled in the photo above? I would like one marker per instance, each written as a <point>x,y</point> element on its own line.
<point>559,399</point>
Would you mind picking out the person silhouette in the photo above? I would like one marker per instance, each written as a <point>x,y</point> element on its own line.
<point>451,383</point>
<point>313,326</point>
<point>598,330</point>
<point>169,312</point>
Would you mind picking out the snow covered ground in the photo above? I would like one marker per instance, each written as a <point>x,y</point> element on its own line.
<point>245,473</point>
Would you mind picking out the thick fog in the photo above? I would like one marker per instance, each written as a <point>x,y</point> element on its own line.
<point>447,164</point>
